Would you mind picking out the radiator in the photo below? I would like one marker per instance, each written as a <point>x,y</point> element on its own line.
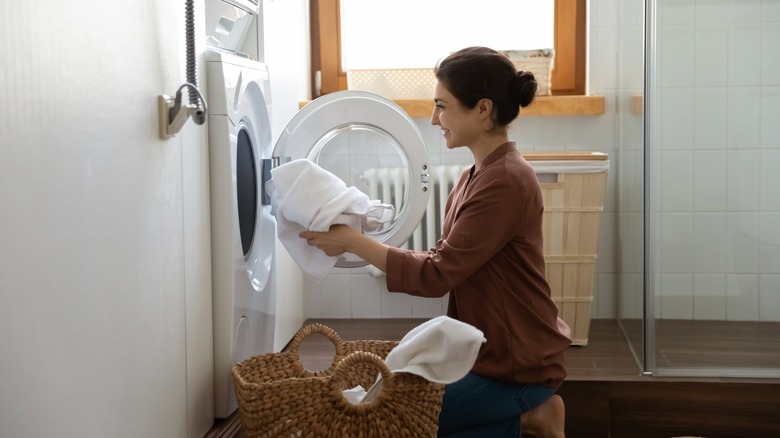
<point>389,184</point>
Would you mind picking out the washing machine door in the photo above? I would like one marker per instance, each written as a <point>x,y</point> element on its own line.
<point>370,143</point>
<point>252,136</point>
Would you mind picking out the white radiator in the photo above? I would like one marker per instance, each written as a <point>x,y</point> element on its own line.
<point>389,185</point>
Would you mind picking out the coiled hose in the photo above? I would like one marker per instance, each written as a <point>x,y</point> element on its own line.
<point>196,98</point>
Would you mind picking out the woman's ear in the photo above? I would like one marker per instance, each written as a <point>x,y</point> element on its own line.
<point>485,108</point>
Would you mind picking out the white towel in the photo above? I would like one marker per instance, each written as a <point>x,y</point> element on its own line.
<point>305,196</point>
<point>441,350</point>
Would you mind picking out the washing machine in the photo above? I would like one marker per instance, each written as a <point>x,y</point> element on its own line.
<point>243,231</point>
<point>357,135</point>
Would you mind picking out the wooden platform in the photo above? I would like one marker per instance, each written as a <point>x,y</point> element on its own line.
<point>606,394</point>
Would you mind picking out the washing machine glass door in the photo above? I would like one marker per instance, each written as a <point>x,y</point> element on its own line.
<point>370,143</point>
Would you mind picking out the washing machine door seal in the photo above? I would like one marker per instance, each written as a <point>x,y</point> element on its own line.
<point>357,135</point>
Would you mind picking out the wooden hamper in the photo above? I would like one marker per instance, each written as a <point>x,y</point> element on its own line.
<point>573,186</point>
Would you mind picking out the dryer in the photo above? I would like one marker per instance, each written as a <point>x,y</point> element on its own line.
<point>243,231</point>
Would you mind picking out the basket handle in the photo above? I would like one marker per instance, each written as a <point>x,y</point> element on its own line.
<point>321,329</point>
<point>384,384</point>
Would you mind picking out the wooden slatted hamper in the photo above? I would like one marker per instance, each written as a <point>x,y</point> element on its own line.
<point>573,186</point>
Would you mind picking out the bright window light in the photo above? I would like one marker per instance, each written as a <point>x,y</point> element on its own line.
<point>417,33</point>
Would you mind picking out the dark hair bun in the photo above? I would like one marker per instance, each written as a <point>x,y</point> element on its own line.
<point>524,88</point>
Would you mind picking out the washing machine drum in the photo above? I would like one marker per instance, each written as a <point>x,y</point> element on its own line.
<point>370,143</point>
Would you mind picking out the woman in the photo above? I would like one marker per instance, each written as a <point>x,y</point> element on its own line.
<point>489,257</point>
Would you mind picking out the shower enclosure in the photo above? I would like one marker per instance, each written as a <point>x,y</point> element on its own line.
<point>698,200</point>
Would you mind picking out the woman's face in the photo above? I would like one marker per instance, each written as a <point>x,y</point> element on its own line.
<point>459,125</point>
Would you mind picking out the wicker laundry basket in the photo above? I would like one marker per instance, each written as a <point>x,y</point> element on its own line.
<point>278,397</point>
<point>539,62</point>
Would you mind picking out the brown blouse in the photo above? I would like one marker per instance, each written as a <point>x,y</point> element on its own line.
<point>490,260</point>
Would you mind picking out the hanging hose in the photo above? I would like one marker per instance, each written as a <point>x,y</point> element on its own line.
<point>196,98</point>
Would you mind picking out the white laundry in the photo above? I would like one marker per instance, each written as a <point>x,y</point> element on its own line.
<point>441,350</point>
<point>304,196</point>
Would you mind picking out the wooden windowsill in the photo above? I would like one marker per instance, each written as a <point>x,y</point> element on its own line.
<point>542,106</point>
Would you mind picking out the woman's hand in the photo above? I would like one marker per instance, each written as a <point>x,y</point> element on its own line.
<point>333,242</point>
<point>341,238</point>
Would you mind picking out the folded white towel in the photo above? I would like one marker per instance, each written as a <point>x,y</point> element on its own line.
<point>305,196</point>
<point>441,350</point>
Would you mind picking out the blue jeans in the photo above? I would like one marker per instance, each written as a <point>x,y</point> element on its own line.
<point>478,407</point>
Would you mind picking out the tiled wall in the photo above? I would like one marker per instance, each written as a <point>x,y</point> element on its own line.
<point>716,153</point>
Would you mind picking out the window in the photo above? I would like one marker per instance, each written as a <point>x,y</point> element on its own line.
<point>377,34</point>
<point>568,75</point>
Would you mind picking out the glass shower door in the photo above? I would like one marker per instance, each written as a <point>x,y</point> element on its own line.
<point>712,150</point>
<point>630,176</point>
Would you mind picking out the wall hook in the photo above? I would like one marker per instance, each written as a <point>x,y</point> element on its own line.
<point>173,114</point>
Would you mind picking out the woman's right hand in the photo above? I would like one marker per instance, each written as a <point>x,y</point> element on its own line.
<point>341,238</point>
<point>333,242</point>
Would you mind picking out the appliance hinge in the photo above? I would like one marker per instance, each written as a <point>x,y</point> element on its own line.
<point>268,165</point>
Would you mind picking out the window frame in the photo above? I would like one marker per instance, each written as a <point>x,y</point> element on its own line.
<point>568,74</point>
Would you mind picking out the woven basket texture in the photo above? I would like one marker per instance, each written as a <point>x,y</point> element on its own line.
<point>539,62</point>
<point>278,397</point>
<point>394,83</point>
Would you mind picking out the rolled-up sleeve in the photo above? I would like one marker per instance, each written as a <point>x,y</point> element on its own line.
<point>484,225</point>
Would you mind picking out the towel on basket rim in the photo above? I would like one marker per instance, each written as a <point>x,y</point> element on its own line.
<point>441,350</point>
<point>304,196</point>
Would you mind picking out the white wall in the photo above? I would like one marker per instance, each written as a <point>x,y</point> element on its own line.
<point>286,47</point>
<point>623,31</point>
<point>93,282</point>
